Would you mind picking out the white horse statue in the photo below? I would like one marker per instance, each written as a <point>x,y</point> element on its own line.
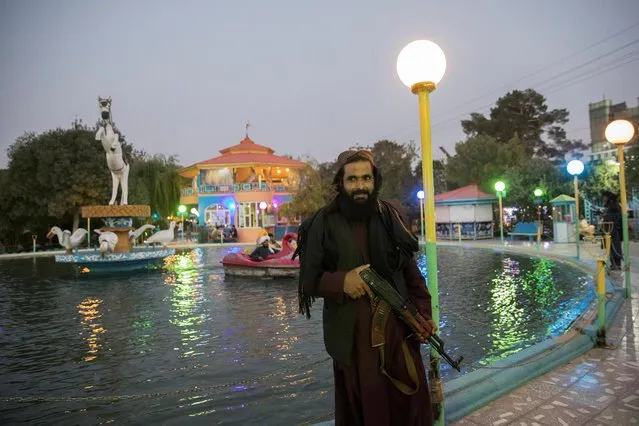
<point>111,144</point>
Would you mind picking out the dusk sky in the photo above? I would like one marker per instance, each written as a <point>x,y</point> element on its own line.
<point>313,78</point>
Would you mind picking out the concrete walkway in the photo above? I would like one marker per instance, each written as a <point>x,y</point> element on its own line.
<point>598,388</point>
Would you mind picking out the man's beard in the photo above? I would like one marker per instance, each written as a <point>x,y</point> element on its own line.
<point>357,210</point>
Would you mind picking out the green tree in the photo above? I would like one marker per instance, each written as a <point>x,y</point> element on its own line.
<point>440,182</point>
<point>482,159</point>
<point>395,162</point>
<point>153,180</point>
<point>521,180</point>
<point>599,177</point>
<point>51,175</point>
<point>632,168</point>
<point>313,193</point>
<point>524,114</point>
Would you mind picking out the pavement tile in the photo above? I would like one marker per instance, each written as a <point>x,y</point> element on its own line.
<point>618,414</point>
<point>494,416</point>
<point>464,422</point>
<point>541,390</point>
<point>596,398</point>
<point>557,412</point>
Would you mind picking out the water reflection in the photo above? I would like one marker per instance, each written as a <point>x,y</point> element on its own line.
<point>504,308</point>
<point>540,286</point>
<point>236,349</point>
<point>92,330</point>
<point>187,301</point>
<point>282,338</point>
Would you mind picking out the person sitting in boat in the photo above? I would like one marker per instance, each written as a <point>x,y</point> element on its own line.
<point>273,245</point>
<point>262,251</point>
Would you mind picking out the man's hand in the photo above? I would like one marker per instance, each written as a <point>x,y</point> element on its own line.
<point>354,285</point>
<point>423,327</point>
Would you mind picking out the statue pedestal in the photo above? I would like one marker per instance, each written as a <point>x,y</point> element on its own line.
<point>123,245</point>
<point>119,220</point>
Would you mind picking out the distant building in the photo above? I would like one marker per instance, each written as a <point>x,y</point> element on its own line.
<point>467,208</point>
<point>601,113</point>
<point>244,186</point>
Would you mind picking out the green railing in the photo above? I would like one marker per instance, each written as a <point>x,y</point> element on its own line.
<point>238,187</point>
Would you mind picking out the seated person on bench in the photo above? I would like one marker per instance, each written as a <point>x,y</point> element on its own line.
<point>585,229</point>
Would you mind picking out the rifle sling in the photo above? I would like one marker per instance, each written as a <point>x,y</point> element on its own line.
<point>381,311</point>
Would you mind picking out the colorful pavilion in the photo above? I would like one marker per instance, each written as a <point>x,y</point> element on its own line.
<point>243,186</point>
<point>466,207</point>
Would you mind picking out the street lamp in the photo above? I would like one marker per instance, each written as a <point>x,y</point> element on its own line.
<point>262,207</point>
<point>620,132</point>
<point>196,213</point>
<point>420,195</point>
<point>575,168</point>
<point>421,64</point>
<point>538,192</point>
<point>182,210</point>
<point>499,187</point>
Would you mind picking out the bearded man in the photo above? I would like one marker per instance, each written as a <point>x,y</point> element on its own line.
<point>384,385</point>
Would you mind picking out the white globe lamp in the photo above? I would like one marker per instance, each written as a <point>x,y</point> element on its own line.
<point>421,63</point>
<point>619,132</point>
<point>575,167</point>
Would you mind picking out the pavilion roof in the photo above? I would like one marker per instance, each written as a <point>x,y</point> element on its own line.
<point>468,192</point>
<point>247,152</point>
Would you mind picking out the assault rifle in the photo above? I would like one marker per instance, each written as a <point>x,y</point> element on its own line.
<point>383,290</point>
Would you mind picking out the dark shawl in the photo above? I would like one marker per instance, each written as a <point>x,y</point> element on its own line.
<point>392,246</point>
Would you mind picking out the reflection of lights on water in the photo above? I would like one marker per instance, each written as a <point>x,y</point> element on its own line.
<point>88,309</point>
<point>508,316</point>
<point>283,341</point>
<point>181,268</point>
<point>540,284</point>
<point>537,288</point>
<point>511,266</point>
<point>186,299</point>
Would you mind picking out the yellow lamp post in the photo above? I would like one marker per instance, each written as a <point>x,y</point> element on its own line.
<point>500,187</point>
<point>575,168</point>
<point>618,133</point>
<point>420,196</point>
<point>421,64</point>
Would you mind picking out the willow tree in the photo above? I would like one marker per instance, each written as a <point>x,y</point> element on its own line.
<point>154,180</point>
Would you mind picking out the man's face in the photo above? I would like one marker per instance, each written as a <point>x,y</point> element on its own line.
<point>359,181</point>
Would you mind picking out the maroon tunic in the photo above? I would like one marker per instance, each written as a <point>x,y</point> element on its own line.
<point>363,395</point>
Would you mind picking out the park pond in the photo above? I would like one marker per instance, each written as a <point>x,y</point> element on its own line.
<point>184,345</point>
